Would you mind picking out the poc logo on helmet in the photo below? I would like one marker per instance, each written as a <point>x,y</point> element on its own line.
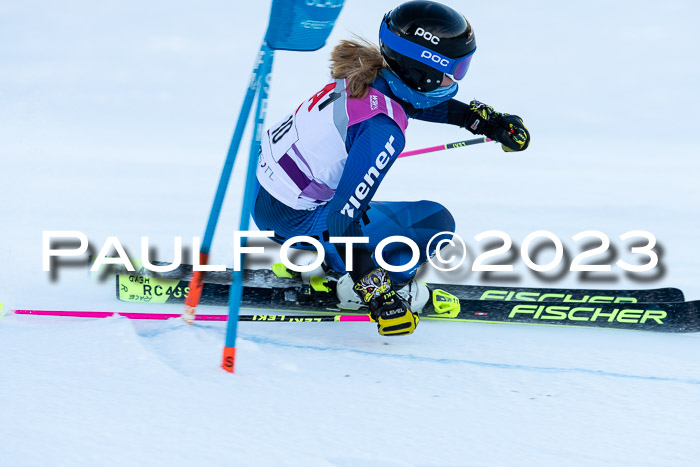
<point>434,58</point>
<point>427,36</point>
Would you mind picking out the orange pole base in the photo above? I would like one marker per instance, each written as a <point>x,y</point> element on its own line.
<point>196,285</point>
<point>229,359</point>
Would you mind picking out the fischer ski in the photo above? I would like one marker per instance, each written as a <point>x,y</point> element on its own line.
<point>216,284</point>
<point>496,305</point>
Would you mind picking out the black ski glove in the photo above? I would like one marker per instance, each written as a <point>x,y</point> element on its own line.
<point>508,130</point>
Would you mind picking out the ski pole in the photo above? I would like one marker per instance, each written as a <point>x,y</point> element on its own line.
<point>199,317</point>
<point>458,144</point>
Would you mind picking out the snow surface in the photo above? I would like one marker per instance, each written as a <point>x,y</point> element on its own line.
<point>115,120</point>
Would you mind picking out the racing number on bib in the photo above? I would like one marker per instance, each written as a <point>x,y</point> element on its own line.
<point>321,94</point>
<point>282,129</point>
<point>284,135</point>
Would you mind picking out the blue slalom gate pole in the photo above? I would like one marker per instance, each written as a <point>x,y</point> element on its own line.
<point>196,283</point>
<point>253,86</point>
<point>236,290</point>
<point>299,25</point>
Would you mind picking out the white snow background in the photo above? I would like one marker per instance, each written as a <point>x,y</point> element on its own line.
<point>115,118</point>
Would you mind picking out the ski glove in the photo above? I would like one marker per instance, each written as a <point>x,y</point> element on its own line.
<point>386,307</point>
<point>508,130</point>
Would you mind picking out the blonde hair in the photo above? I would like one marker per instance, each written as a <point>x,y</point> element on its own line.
<point>358,61</point>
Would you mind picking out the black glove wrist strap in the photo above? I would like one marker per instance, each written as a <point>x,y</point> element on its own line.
<point>479,126</point>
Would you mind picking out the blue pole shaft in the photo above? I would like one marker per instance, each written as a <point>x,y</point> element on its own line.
<point>236,290</point>
<point>253,86</point>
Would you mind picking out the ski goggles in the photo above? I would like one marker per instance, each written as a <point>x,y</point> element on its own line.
<point>456,67</point>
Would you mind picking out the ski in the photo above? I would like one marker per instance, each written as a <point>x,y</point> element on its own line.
<point>216,288</point>
<point>610,311</point>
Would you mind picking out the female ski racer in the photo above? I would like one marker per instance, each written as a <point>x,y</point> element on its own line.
<point>320,166</point>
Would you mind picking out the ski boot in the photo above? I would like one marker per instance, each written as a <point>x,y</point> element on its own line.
<point>315,284</point>
<point>322,271</point>
<point>416,294</point>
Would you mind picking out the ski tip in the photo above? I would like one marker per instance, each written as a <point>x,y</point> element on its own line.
<point>229,361</point>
